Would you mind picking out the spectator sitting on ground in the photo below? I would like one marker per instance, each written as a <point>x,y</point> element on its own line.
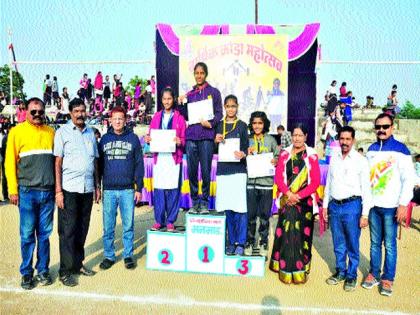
<point>369,102</point>
<point>394,88</point>
<point>392,104</point>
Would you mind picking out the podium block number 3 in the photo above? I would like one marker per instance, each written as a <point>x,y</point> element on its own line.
<point>166,257</point>
<point>243,267</point>
<point>206,254</point>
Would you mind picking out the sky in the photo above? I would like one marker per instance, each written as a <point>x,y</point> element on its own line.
<point>374,30</point>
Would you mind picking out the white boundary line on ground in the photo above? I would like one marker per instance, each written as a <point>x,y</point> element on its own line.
<point>184,301</point>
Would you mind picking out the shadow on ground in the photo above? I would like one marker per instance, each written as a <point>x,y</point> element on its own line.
<point>324,246</point>
<point>271,304</point>
<point>142,222</point>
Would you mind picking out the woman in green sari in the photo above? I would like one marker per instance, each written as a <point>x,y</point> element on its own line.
<point>297,178</point>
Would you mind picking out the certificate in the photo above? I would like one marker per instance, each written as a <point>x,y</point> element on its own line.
<point>162,140</point>
<point>227,150</point>
<point>201,110</point>
<point>259,165</point>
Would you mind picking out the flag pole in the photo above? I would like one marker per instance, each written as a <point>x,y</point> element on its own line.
<point>9,31</point>
<point>256,12</point>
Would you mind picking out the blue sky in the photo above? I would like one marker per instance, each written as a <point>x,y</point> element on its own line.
<point>125,30</point>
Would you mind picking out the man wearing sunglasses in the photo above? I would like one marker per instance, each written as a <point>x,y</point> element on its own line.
<point>30,176</point>
<point>77,183</point>
<point>392,182</point>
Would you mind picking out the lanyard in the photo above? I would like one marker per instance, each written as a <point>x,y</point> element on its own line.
<point>224,127</point>
<point>169,124</point>
<point>259,148</point>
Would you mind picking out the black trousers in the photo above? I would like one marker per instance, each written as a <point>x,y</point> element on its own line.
<point>73,226</point>
<point>259,202</point>
<point>4,182</point>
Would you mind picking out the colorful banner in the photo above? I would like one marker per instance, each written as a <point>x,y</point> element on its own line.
<point>252,67</point>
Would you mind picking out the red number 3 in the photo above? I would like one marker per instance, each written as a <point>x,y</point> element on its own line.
<point>244,270</point>
<point>165,259</point>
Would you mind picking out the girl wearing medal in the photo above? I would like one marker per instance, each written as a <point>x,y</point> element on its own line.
<point>167,166</point>
<point>260,189</point>
<point>231,178</point>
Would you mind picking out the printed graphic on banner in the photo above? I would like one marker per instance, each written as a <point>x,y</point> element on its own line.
<point>205,243</point>
<point>252,67</point>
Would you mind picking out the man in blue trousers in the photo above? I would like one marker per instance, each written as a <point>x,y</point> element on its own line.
<point>122,170</point>
<point>392,182</point>
<point>348,200</point>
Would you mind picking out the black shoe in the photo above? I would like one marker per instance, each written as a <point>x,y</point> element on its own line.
<point>195,209</point>
<point>86,272</point>
<point>129,263</point>
<point>27,282</point>
<point>68,280</point>
<point>44,279</point>
<point>350,285</point>
<point>335,279</point>
<point>203,209</point>
<point>106,264</point>
<point>263,250</point>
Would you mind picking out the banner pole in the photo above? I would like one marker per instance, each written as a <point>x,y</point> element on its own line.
<point>10,65</point>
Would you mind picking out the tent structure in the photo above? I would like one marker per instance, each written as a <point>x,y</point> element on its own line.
<point>303,48</point>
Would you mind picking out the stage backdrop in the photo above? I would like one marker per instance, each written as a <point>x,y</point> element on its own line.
<point>252,67</point>
<point>302,53</point>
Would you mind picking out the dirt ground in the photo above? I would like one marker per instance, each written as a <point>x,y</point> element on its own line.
<point>140,291</point>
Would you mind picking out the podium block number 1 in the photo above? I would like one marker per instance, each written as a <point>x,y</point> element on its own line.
<point>206,254</point>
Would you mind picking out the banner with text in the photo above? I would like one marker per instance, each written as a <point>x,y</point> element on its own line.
<point>252,67</point>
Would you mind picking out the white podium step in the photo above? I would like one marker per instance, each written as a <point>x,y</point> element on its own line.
<point>200,249</point>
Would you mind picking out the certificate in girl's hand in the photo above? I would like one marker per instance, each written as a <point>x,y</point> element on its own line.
<point>259,165</point>
<point>201,110</point>
<point>162,140</point>
<point>227,150</point>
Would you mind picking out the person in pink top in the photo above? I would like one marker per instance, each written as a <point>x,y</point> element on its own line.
<point>167,166</point>
<point>137,94</point>
<point>21,112</point>
<point>343,89</point>
<point>153,85</point>
<point>128,100</point>
<point>83,84</point>
<point>98,86</point>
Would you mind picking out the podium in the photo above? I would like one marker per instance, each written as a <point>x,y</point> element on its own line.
<point>201,249</point>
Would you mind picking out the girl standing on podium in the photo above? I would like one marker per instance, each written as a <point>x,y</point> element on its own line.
<point>231,178</point>
<point>199,136</point>
<point>260,189</point>
<point>167,166</point>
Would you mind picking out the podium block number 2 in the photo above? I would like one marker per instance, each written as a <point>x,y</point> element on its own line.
<point>166,257</point>
<point>206,254</point>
